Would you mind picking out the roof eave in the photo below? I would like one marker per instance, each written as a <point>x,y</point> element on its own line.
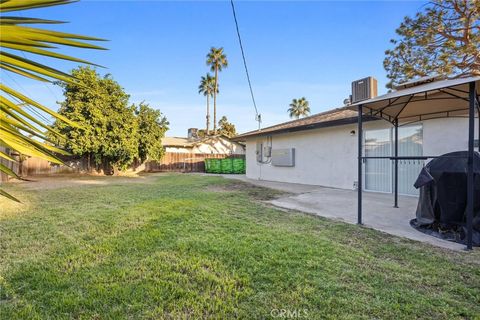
<point>325,124</point>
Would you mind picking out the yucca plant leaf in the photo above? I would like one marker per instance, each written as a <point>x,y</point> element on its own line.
<point>26,99</point>
<point>7,128</point>
<point>7,195</point>
<point>19,125</point>
<point>6,156</point>
<point>46,53</point>
<point>27,146</point>
<point>50,36</point>
<point>8,171</point>
<point>23,20</point>
<point>15,5</point>
<point>8,38</point>
<point>10,108</point>
<point>22,72</point>
<point>15,122</point>
<point>30,65</point>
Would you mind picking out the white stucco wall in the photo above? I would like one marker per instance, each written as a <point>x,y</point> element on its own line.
<point>328,156</point>
<point>178,150</point>
<point>446,135</point>
<point>219,146</point>
<point>211,146</point>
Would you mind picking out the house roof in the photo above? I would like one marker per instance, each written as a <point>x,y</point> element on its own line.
<point>177,142</point>
<point>335,117</point>
<point>434,99</point>
<point>182,142</point>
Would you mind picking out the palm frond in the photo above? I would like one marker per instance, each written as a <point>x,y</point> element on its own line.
<point>299,108</point>
<point>15,5</point>
<point>15,121</point>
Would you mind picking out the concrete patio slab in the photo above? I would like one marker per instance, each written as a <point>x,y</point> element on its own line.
<point>378,211</point>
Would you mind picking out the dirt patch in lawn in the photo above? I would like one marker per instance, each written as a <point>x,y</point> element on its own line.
<point>64,181</point>
<point>256,192</point>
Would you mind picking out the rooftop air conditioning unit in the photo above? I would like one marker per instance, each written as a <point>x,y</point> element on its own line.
<point>364,89</point>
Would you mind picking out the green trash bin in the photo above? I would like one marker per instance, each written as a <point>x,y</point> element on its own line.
<point>238,165</point>
<point>207,166</point>
<point>215,166</point>
<point>227,165</point>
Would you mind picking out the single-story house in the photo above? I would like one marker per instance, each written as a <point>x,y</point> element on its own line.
<point>218,144</point>
<point>322,149</point>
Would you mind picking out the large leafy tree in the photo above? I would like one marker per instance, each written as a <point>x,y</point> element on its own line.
<point>152,126</point>
<point>444,39</point>
<point>299,108</point>
<point>109,129</point>
<point>207,88</point>
<point>226,128</point>
<point>217,60</point>
<point>20,129</point>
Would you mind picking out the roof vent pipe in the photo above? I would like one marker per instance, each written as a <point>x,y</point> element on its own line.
<point>192,133</point>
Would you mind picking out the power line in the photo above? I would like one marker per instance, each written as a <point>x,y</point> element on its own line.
<point>46,86</point>
<point>32,109</point>
<point>257,115</point>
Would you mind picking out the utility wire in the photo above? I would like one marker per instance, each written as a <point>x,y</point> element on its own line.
<point>46,86</point>
<point>257,115</point>
<point>32,109</point>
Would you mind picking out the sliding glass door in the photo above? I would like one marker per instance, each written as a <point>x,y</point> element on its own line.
<point>379,174</point>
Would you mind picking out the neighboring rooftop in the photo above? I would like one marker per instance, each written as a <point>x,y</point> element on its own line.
<point>329,118</point>
<point>181,142</point>
<point>177,142</point>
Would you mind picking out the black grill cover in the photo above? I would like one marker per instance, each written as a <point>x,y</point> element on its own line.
<point>442,204</point>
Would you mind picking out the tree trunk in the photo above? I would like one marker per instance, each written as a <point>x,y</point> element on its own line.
<point>208,113</point>
<point>88,163</point>
<point>215,102</point>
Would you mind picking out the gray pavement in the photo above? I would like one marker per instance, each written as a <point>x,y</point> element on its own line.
<point>339,204</point>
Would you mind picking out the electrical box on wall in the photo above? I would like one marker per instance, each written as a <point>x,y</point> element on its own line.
<point>283,157</point>
<point>476,143</point>
<point>267,151</point>
<point>259,152</point>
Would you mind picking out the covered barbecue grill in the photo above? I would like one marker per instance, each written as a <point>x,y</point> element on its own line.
<point>433,99</point>
<point>442,204</point>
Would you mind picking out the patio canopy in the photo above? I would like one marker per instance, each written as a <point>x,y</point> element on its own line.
<point>436,99</point>
<point>423,99</point>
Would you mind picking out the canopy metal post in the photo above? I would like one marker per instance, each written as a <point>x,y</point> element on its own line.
<point>470,177</point>
<point>395,205</point>
<point>360,141</point>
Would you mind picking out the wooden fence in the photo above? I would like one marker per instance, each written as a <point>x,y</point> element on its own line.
<point>171,161</point>
<point>9,164</point>
<point>185,162</point>
<point>37,166</point>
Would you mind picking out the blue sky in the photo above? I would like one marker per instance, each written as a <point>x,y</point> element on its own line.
<point>157,53</point>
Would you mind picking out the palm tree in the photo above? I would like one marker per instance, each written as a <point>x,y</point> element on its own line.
<point>299,108</point>
<point>207,88</point>
<point>217,60</point>
<point>20,130</point>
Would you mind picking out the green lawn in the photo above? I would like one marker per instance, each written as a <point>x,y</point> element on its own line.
<point>185,246</point>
